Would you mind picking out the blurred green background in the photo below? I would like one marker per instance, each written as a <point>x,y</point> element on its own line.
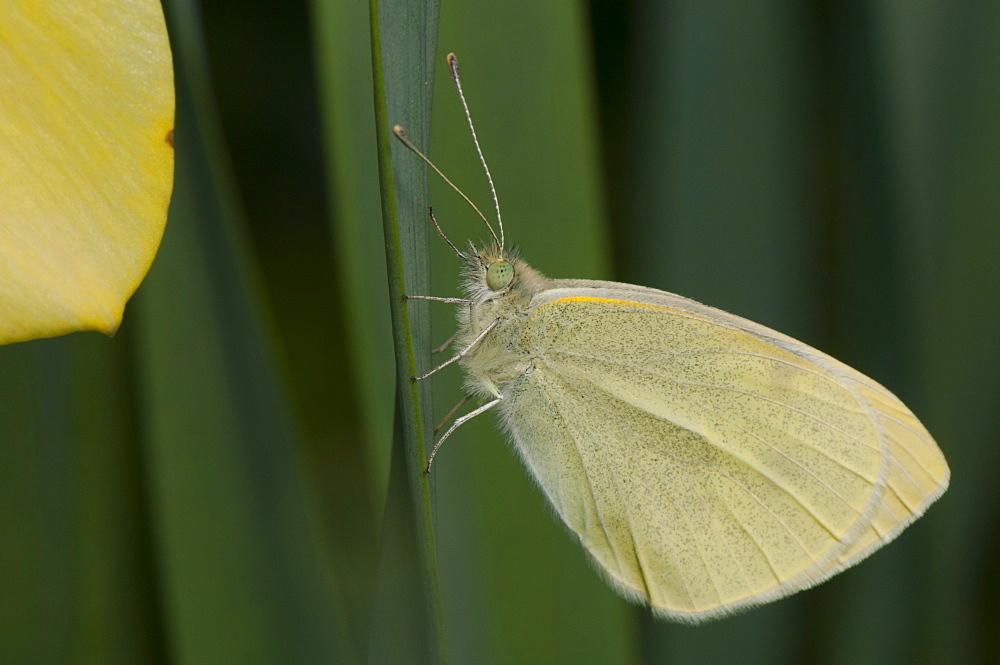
<point>209,485</point>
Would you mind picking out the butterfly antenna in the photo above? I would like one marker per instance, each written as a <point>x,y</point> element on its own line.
<point>405,139</point>
<point>430,212</point>
<point>453,68</point>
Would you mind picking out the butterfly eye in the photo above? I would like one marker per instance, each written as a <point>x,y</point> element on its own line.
<point>498,275</point>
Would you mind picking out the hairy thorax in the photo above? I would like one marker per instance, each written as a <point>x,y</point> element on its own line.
<point>500,357</point>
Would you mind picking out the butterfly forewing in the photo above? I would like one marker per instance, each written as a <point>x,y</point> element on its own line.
<point>917,473</point>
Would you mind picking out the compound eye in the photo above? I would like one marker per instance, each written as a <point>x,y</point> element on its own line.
<point>498,275</point>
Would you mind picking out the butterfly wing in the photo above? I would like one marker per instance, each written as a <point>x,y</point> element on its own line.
<point>708,463</point>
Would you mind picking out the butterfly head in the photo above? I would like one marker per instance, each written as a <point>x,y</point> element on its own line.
<point>492,272</point>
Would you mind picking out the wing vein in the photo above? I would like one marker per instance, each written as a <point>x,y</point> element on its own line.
<point>776,402</point>
<point>793,461</point>
<point>756,543</point>
<point>735,482</point>
<point>642,368</point>
<point>762,356</point>
<point>910,454</point>
<point>628,511</point>
<point>749,394</point>
<point>586,473</point>
<point>722,473</point>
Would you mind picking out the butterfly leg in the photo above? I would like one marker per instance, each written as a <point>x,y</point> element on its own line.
<point>446,344</point>
<point>469,416</point>
<point>455,408</point>
<point>454,301</point>
<point>461,354</point>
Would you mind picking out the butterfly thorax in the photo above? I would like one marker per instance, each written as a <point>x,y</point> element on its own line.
<point>498,358</point>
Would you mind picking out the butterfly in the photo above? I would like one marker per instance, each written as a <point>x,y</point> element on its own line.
<point>706,463</point>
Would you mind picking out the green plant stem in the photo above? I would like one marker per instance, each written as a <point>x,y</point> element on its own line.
<point>403,36</point>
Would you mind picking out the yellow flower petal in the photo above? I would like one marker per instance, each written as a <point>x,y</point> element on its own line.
<point>86,160</point>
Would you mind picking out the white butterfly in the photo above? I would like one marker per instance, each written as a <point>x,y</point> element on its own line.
<point>706,463</point>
